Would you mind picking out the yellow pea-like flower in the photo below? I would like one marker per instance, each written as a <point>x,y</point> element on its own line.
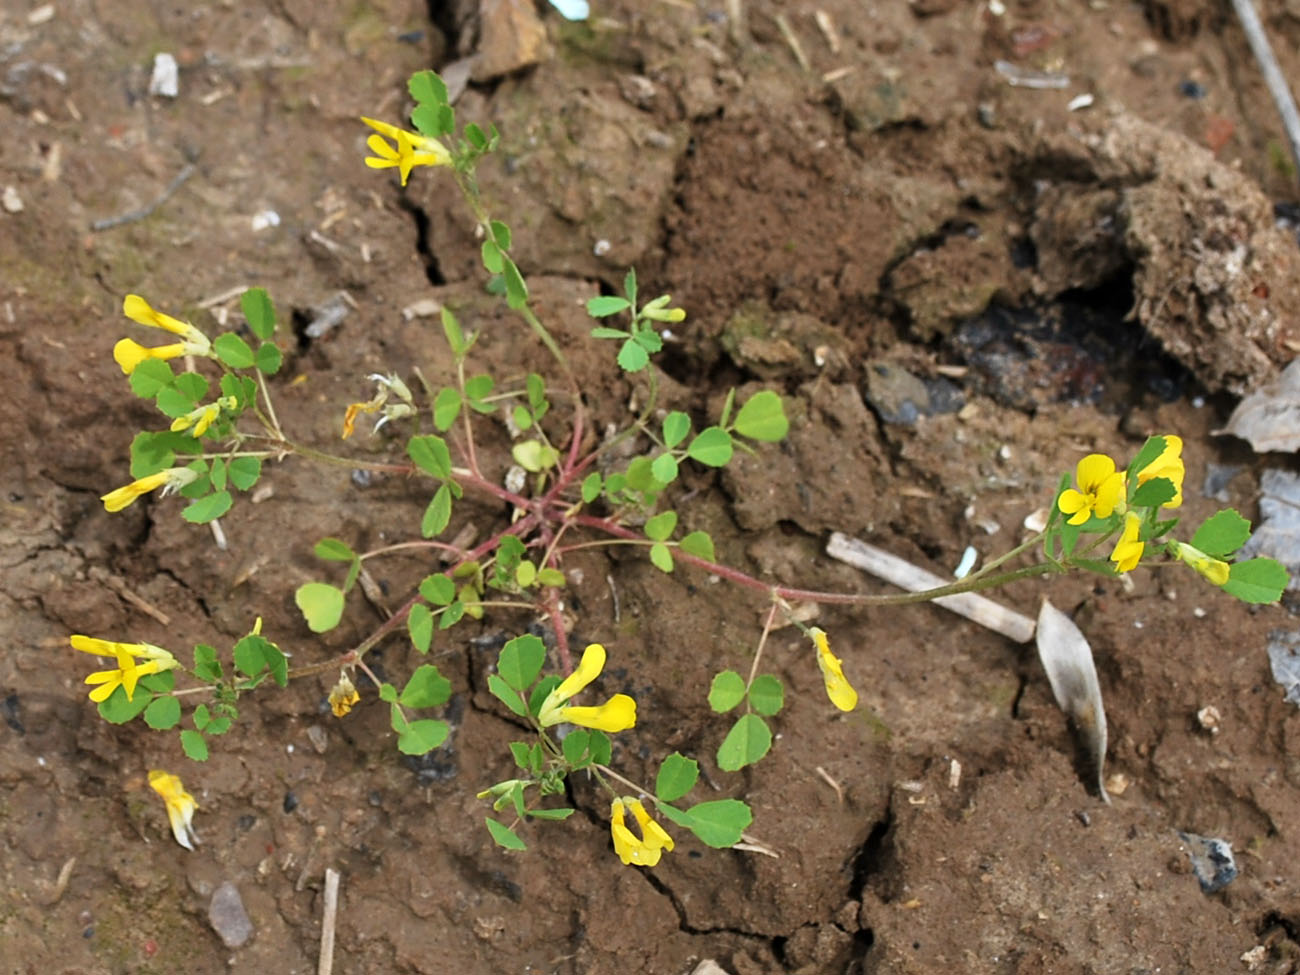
<point>838,688</point>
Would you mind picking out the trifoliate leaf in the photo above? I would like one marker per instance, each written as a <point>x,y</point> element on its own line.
<point>661,526</point>
<point>676,426</point>
<point>699,544</point>
<point>233,351</point>
<point>430,454</point>
<point>258,312</point>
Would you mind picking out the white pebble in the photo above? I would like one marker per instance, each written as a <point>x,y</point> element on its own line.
<point>166,76</point>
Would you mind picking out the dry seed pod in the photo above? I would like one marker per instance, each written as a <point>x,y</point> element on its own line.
<point>1067,658</point>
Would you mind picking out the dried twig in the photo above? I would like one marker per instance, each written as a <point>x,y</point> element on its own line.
<point>796,48</point>
<point>108,222</point>
<point>326,965</point>
<point>1274,80</point>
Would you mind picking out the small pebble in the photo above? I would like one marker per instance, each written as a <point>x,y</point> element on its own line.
<point>227,916</point>
<point>165,80</point>
<point>319,738</point>
<point>1212,861</point>
<point>1210,719</point>
<point>11,201</point>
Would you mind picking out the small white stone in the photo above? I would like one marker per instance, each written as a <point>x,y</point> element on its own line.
<point>263,219</point>
<point>165,80</point>
<point>11,201</point>
<point>601,247</point>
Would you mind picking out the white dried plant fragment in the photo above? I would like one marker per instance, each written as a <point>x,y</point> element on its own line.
<point>1067,658</point>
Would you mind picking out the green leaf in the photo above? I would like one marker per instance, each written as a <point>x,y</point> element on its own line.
<point>504,836</point>
<point>500,232</point>
<point>439,589</point>
<point>1257,580</point>
<point>192,385</point>
<point>574,745</point>
<point>1156,491</point>
<point>591,485</point>
<point>1222,533</point>
<point>603,306</point>
<point>173,402</point>
<point>475,137</point>
<point>554,814</point>
<point>766,694</point>
<point>163,713</point>
<point>726,691</point>
<point>609,333</point>
<point>116,709</point>
<point>478,388</point>
<point>427,688</point>
<point>427,88</point>
<point>437,514</point>
<point>194,745</point>
<point>763,417</point>
<point>387,692</point>
<point>629,285</point>
<point>748,740</point>
<point>430,454</point>
<point>268,359</point>
<point>491,256</point>
<point>648,339</point>
<point>677,776</point>
<point>521,660</point>
<point>202,717</point>
<point>711,447</point>
<point>446,407</point>
<point>534,456</point>
<point>664,468</point>
<point>699,544</point>
<point>206,665</point>
<point>719,823</point>
<point>454,333</point>
<point>661,557</point>
<point>419,624</point>
<point>543,689</point>
<point>421,737</point>
<point>150,378</point>
<point>1152,449</point>
<point>525,574</point>
<point>451,615</point>
<point>258,312</point>
<point>334,550</point>
<point>208,509</point>
<point>551,577</point>
<point>507,695</point>
<point>354,572</point>
<point>535,386</point>
<point>522,754</point>
<point>516,289</point>
<point>676,426</point>
<point>632,357</point>
<point>245,471</point>
<point>254,653</point>
<point>661,526</point>
<point>321,605</point>
<point>218,474</point>
<point>233,351</point>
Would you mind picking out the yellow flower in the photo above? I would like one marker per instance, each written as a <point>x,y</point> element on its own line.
<point>129,354</point>
<point>1128,550</point>
<point>1100,489</point>
<point>392,411</point>
<point>412,149</point>
<point>616,714</point>
<point>180,806</point>
<point>1170,465</point>
<point>1216,570</point>
<point>203,417</point>
<point>838,688</point>
<point>172,479</point>
<point>343,696</point>
<point>644,851</point>
<point>128,671</point>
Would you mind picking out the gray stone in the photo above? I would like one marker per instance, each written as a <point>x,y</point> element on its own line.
<point>227,916</point>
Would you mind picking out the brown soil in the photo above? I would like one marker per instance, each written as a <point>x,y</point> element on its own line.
<point>869,219</point>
